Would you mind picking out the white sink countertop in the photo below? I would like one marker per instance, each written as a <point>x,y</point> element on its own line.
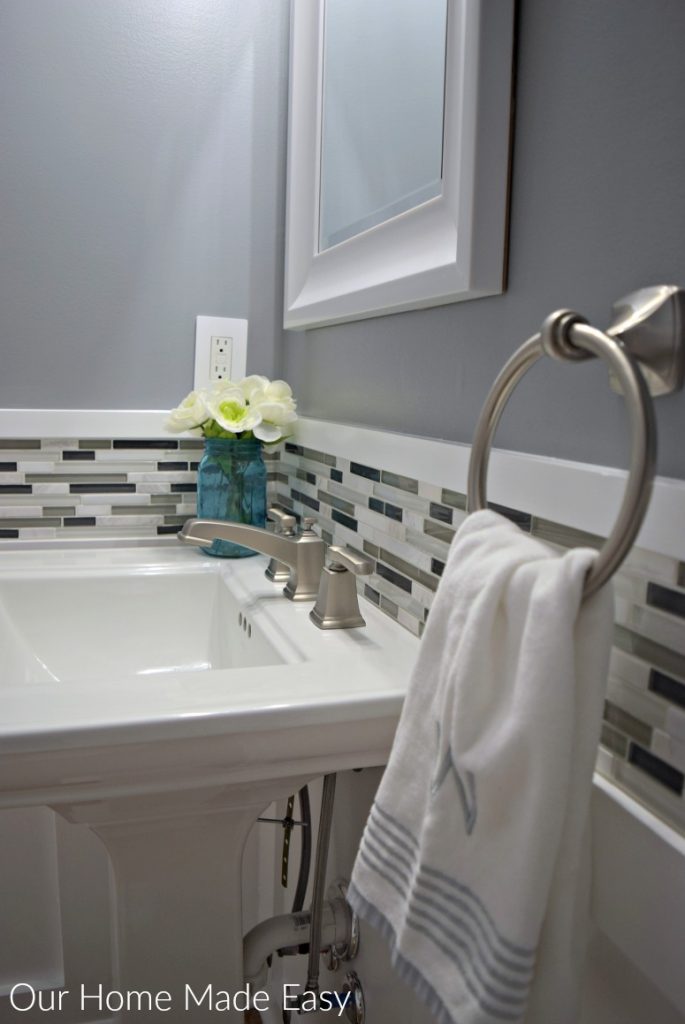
<point>99,693</point>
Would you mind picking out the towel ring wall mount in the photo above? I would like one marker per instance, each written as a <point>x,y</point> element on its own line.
<point>645,351</point>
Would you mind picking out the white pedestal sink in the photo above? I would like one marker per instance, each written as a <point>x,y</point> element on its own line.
<point>164,699</point>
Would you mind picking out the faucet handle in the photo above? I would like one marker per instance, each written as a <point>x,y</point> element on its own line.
<point>344,558</point>
<point>337,606</point>
<point>285,522</point>
<point>279,572</point>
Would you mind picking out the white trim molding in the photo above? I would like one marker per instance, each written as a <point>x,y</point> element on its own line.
<point>576,494</point>
<point>84,423</point>
<point>449,248</point>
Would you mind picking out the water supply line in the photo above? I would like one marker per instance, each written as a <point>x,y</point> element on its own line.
<point>322,845</point>
<point>328,924</point>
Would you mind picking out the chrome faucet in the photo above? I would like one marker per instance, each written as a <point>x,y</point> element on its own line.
<point>304,555</point>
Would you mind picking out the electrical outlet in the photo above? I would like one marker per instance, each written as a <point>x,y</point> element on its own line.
<point>220,350</point>
<point>220,357</point>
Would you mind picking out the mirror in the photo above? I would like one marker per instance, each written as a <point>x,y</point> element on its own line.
<point>398,155</point>
<point>383,90</point>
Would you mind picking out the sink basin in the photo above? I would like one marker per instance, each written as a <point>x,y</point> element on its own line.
<point>92,625</point>
<point>164,699</point>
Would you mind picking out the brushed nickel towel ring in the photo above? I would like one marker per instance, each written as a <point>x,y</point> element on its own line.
<point>652,315</point>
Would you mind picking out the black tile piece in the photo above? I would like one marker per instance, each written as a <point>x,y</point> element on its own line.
<point>167,529</point>
<point>79,521</point>
<point>337,476</point>
<point>16,489</point>
<point>669,689</point>
<point>667,600</point>
<point>169,467</point>
<point>366,471</point>
<point>295,449</point>
<point>664,773</point>
<point>376,506</point>
<point>393,577</point>
<point>372,594</point>
<point>160,443</point>
<point>344,520</point>
<point>437,566</point>
<point>9,534</point>
<point>522,519</point>
<point>8,467</point>
<point>193,465</point>
<point>440,512</point>
<point>78,456</point>
<point>393,512</point>
<point>305,499</point>
<point>185,488</point>
<point>89,488</point>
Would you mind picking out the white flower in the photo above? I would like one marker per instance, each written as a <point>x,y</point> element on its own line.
<point>275,402</point>
<point>192,412</point>
<point>249,385</point>
<point>230,410</point>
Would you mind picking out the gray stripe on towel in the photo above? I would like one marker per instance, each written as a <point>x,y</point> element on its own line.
<point>405,969</point>
<point>436,931</point>
<point>476,935</point>
<point>523,952</point>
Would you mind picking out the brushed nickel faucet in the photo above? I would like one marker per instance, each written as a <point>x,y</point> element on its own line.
<point>337,604</point>
<point>304,554</point>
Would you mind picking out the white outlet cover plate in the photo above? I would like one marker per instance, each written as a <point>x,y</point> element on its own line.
<point>208,327</point>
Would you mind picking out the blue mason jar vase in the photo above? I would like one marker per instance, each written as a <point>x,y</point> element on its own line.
<point>231,485</point>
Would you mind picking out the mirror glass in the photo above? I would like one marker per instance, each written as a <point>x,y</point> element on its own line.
<point>383,108</point>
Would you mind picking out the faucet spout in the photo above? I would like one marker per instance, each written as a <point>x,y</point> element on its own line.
<point>304,555</point>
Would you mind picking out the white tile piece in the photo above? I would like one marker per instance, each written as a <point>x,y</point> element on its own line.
<point>668,749</point>
<point>12,511</point>
<point>629,668</point>
<point>177,477</point>
<point>59,488</point>
<point>404,499</point>
<point>129,521</point>
<point>151,488</point>
<point>43,467</point>
<point>653,566</point>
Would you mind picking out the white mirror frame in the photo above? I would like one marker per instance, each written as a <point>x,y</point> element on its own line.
<point>447,249</point>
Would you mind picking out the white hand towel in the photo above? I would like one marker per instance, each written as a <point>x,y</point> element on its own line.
<point>475,857</point>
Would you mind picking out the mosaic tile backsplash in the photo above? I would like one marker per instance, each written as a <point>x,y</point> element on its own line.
<point>140,489</point>
<point>405,526</point>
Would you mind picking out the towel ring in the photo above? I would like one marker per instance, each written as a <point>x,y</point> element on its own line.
<point>566,335</point>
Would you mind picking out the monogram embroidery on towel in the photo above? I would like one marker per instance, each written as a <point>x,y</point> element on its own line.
<point>466,783</point>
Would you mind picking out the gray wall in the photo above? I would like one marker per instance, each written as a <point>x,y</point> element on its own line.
<point>141,183</point>
<point>597,210</point>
